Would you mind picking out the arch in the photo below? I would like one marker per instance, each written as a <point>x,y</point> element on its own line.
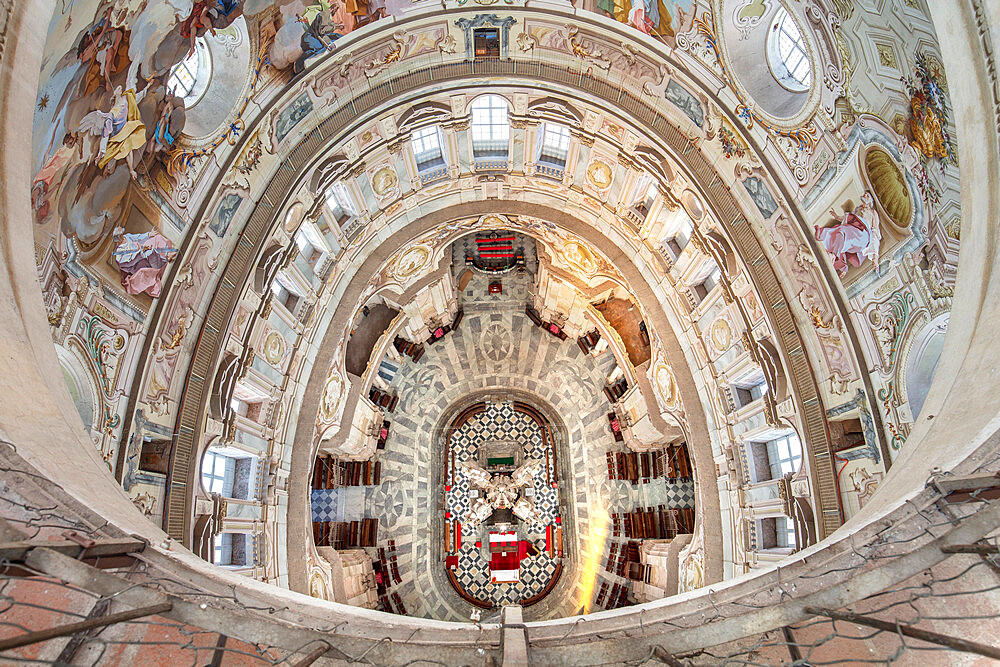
<point>925,352</point>
<point>82,388</point>
<point>338,319</point>
<point>268,266</point>
<point>225,382</point>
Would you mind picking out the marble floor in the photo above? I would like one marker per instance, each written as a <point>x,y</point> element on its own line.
<point>498,351</point>
<point>501,422</point>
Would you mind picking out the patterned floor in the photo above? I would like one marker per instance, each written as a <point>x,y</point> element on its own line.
<point>501,422</point>
<point>496,349</point>
<point>342,504</point>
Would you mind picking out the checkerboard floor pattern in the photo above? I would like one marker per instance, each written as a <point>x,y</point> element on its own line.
<point>500,422</point>
<point>324,504</point>
<point>474,575</point>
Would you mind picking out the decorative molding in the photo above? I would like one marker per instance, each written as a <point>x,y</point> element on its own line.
<point>485,20</point>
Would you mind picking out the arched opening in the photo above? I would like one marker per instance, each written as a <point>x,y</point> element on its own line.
<point>923,360</point>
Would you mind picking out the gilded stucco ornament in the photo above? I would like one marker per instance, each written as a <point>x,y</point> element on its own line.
<point>385,181</point>
<point>331,399</point>
<point>600,174</point>
<point>317,587</point>
<point>579,256</point>
<point>721,334</point>
<point>666,385</point>
<point>589,54</point>
<point>412,261</point>
<point>274,348</point>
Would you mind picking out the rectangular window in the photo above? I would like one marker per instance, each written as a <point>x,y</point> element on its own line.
<point>555,144</point>
<point>217,473</point>
<point>283,295</point>
<point>338,200</point>
<point>683,236</point>
<point>231,549</point>
<point>490,127</point>
<point>486,42</point>
<point>784,533</point>
<point>306,248</point>
<point>784,455</point>
<point>223,549</point>
<point>750,389</point>
<point>427,148</point>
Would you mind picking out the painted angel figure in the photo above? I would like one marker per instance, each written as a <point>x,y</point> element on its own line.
<point>120,129</point>
<point>855,238</point>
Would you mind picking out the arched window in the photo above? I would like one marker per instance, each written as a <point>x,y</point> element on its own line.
<point>189,78</point>
<point>787,54</point>
<point>490,127</point>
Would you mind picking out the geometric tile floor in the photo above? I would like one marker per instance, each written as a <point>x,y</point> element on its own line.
<point>499,421</point>
<point>496,350</point>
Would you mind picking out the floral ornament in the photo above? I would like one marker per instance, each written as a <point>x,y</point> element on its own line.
<point>929,111</point>
<point>732,146</point>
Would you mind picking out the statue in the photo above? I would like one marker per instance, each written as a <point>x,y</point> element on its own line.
<point>855,238</point>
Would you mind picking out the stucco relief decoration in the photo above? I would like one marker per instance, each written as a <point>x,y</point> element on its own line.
<point>411,262</point>
<point>666,385</point>
<point>804,138</point>
<point>692,564</point>
<point>580,257</point>
<point>393,55</point>
<point>929,115</point>
<point>329,405</point>
<point>721,334</point>
<point>274,348</point>
<point>317,587</point>
<point>888,321</point>
<point>748,14</point>
<point>600,173</point>
<point>385,182</point>
<point>189,286</point>
<point>588,52</point>
<point>855,237</point>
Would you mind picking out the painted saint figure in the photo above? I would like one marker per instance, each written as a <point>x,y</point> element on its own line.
<point>142,260</point>
<point>855,238</point>
<point>121,129</point>
<point>322,29</point>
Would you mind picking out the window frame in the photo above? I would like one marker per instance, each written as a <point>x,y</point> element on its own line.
<point>786,40</point>
<point>200,76</point>
<point>491,131</point>
<point>339,199</point>
<point>784,533</point>
<point>208,479</point>
<point>777,460</point>
<point>427,157</point>
<point>557,152</point>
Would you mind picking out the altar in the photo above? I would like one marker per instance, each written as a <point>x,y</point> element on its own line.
<point>505,557</point>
